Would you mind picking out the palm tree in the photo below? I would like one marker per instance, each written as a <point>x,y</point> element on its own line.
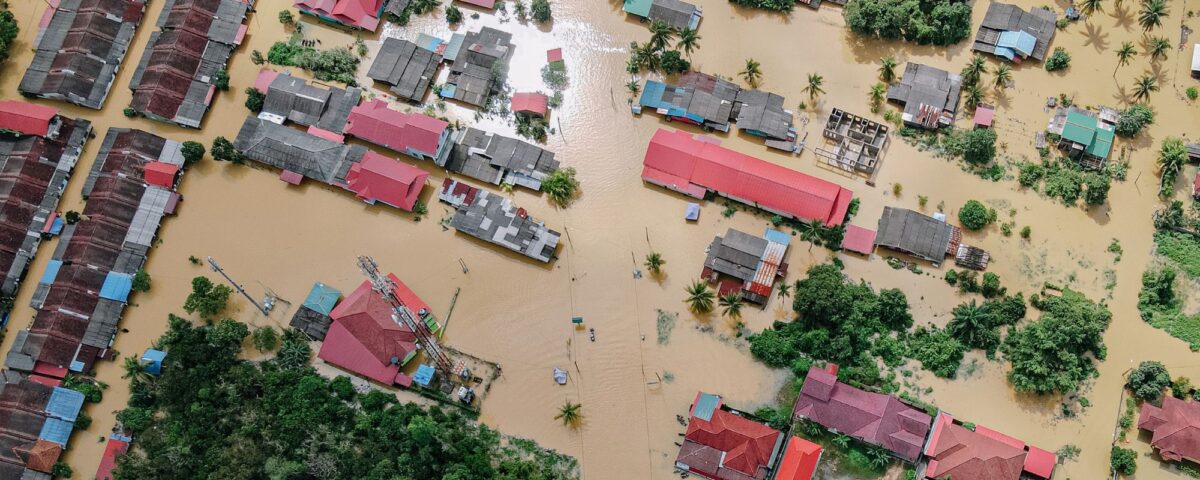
<point>974,70</point>
<point>973,97</point>
<point>700,298</point>
<point>879,458</point>
<point>810,232</point>
<point>1152,14</point>
<point>569,414</point>
<point>135,370</point>
<point>689,40</point>
<point>815,80</point>
<point>731,305</point>
<point>842,441</point>
<point>660,35</point>
<point>1088,7</point>
<point>785,290</point>
<point>971,325</point>
<point>1171,159</point>
<point>1124,55</point>
<point>752,73</point>
<point>654,262</point>
<point>1003,76</point>
<point>646,57</point>
<point>1159,47</point>
<point>887,68</point>
<point>1145,85</point>
<point>634,87</point>
<point>876,95</point>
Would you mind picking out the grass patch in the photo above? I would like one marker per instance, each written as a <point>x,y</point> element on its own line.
<point>666,323</point>
<point>1181,248</point>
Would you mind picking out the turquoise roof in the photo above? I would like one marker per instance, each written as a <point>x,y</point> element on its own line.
<point>322,298</point>
<point>640,8</point>
<point>706,404</point>
<point>1020,41</point>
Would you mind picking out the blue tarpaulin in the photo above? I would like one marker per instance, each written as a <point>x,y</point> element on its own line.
<point>152,361</point>
<point>57,431</point>
<point>692,212</point>
<point>322,298</point>
<point>56,226</point>
<point>1019,41</point>
<point>773,235</point>
<point>448,90</point>
<point>51,272</point>
<point>424,375</point>
<point>117,286</point>
<point>64,404</point>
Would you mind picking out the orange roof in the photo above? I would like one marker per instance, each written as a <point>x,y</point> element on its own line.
<point>43,456</point>
<point>799,461</point>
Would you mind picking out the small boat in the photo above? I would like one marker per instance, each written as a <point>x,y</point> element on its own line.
<point>560,376</point>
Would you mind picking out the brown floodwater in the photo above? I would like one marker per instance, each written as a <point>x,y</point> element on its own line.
<point>271,235</point>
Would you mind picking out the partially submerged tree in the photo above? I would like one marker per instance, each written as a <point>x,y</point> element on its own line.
<point>207,299</point>
<point>731,305</point>
<point>887,69</point>
<point>192,152</point>
<point>700,298</point>
<point>813,88</point>
<point>654,262</point>
<point>752,73</point>
<point>570,414</point>
<point>1172,155</point>
<point>561,186</point>
<point>1148,380</point>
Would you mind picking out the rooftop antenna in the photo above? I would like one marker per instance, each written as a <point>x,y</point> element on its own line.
<point>386,289</point>
<point>217,268</point>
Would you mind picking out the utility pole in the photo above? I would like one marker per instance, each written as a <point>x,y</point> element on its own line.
<point>386,289</point>
<point>217,268</point>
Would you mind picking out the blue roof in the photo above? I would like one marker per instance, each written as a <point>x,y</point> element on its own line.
<point>1020,41</point>
<point>64,404</point>
<point>428,42</point>
<point>117,286</point>
<point>447,90</point>
<point>706,404</point>
<point>153,355</point>
<point>424,375</point>
<point>57,431</point>
<point>56,226</point>
<point>1005,52</point>
<point>776,236</point>
<point>322,298</point>
<point>51,272</point>
<point>652,95</point>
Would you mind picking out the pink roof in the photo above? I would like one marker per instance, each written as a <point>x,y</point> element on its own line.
<point>1040,462</point>
<point>1196,184</point>
<point>262,83</point>
<point>160,173</point>
<point>108,462</point>
<point>374,122</point>
<point>697,163</point>
<point>799,460</point>
<point>554,55</point>
<point>379,178</point>
<point>291,177</point>
<point>344,349</point>
<point>956,452</point>
<point>481,3</point>
<point>983,116</point>
<point>326,134</point>
<point>530,102</point>
<point>363,337</point>
<point>47,381</point>
<point>356,13</point>
<point>27,118</point>
<point>859,239</point>
<point>1175,427</point>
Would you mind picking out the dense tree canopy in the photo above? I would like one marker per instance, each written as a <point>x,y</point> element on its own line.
<point>937,22</point>
<point>213,415</point>
<point>1148,380</point>
<point>1055,352</point>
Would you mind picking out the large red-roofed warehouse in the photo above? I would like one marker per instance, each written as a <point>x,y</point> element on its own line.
<point>695,165</point>
<point>1175,428</point>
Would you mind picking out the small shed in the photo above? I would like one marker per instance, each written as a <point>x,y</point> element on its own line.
<point>530,103</point>
<point>160,173</point>
<point>554,55</point>
<point>153,361</point>
<point>424,375</point>
<point>983,116</point>
<point>859,240</point>
<point>291,177</point>
<point>322,298</point>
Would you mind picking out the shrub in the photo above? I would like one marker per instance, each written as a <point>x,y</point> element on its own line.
<point>1030,174</point>
<point>223,149</point>
<point>991,285</point>
<point>540,10</point>
<point>1132,120</point>
<point>265,339</point>
<point>286,18</point>
<point>8,32</point>
<point>974,215</point>
<point>192,152</point>
<point>672,63</point>
<point>561,186</point>
<point>951,277</point>
<point>1097,188</point>
<point>129,112</point>
<point>221,80</point>
<point>979,146</point>
<point>937,350</point>
<point>61,470</point>
<point>1192,93</point>
<point>206,298</point>
<point>141,281</point>
<point>1148,380</point>
<point>72,217</point>
<point>1057,352</point>
<point>1123,460</point>
<point>774,5</point>
<point>453,15</point>
<point>1058,60</point>
<point>254,99</point>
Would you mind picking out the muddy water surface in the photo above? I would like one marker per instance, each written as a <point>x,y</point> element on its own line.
<point>270,235</point>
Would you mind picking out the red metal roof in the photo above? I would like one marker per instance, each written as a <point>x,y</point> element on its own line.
<point>374,122</point>
<point>326,134</point>
<point>799,460</point>
<point>1040,462</point>
<point>113,449</point>
<point>369,319</point>
<point>356,13</point>
<point>983,116</point>
<point>379,178</point>
<point>161,174</point>
<point>262,82</point>
<point>748,446</point>
<point>859,239</point>
<point>47,381</point>
<point>530,102</point>
<point>27,118</point>
<point>872,417</point>
<point>345,350</point>
<point>481,3</point>
<point>291,177</point>
<point>704,164</point>
<point>1175,428</point>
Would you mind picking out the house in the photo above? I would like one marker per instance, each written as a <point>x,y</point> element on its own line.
<point>312,317</point>
<point>799,461</point>
<point>81,296</point>
<point>1085,136</point>
<point>79,50</point>
<point>176,78</point>
<point>292,150</point>
<point>859,240</point>
<point>979,453</point>
<point>722,444</point>
<point>929,96</point>
<point>498,159</point>
<point>762,114</point>
<point>917,234</point>
<point>495,219</point>
<point>1013,34</point>
<point>478,61</point>
<point>358,14</point>
<point>408,68</point>
<point>291,99</point>
<point>676,14</point>
<point>554,55</point>
<point>1174,428</point>
<point>37,424</point>
<point>385,180</point>
<point>116,446</point>
<point>366,340</point>
<point>984,115</point>
<point>414,134</point>
<point>874,418</point>
<point>855,143</point>
<point>530,103</point>
<point>38,151</point>
<point>745,264</point>
<point>697,165</point>
<point>698,99</point>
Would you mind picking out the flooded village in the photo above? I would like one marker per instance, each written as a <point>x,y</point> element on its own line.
<point>406,218</point>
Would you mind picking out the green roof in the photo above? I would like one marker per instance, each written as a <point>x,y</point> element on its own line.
<point>1103,144</point>
<point>640,8</point>
<point>1086,130</point>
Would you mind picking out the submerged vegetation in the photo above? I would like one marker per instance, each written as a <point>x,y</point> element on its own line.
<point>1057,352</point>
<point>336,64</point>
<point>939,22</point>
<point>8,32</point>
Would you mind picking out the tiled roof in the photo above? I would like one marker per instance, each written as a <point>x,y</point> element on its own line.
<point>962,454</point>
<point>874,418</point>
<point>747,446</point>
<point>1175,428</point>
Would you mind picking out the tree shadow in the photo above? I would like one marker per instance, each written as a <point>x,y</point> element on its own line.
<point>1123,16</point>
<point>1096,37</point>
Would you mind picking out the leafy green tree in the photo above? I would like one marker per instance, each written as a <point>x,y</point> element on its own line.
<point>937,350</point>
<point>141,281</point>
<point>206,298</point>
<point>934,22</point>
<point>192,152</point>
<point>876,95</point>
<point>286,18</point>
<point>1172,155</point>
<point>990,288</point>
<point>61,470</point>
<point>254,99</point>
<point>1132,120</point>
<point>453,15</point>
<point>1097,188</point>
<point>561,186</point>
<point>1123,460</point>
<point>974,215</point>
<point>974,327</point>
<point>752,73</point>
<point>1055,352</point>
<point>265,339</point>
<point>221,80</point>
<point>700,298</point>
<point>979,146</point>
<point>1058,60</point>
<point>673,63</point>
<point>784,290</point>
<point>540,9</point>
<point>1148,380</point>
<point>256,57</point>
<point>224,150</point>
<point>8,32</point>
<point>894,309</point>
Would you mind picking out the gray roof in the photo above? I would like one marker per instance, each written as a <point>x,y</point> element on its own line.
<point>297,101</point>
<point>1001,17</point>
<point>290,149</point>
<point>218,20</point>
<point>408,68</point>
<point>499,159</point>
<point>471,73</point>
<point>737,254</point>
<point>675,13</point>
<point>313,323</point>
<point>78,53</point>
<point>763,112</point>
<point>494,219</point>
<point>925,85</point>
<point>919,235</point>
